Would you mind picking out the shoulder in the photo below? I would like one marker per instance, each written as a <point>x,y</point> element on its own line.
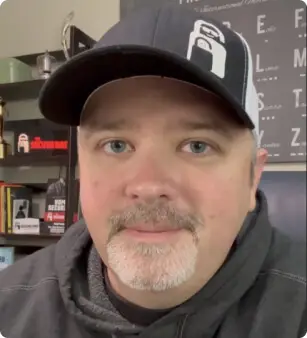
<point>286,259</point>
<point>26,285</point>
<point>278,294</point>
<point>29,272</point>
<point>31,289</point>
<point>283,278</point>
<point>42,267</point>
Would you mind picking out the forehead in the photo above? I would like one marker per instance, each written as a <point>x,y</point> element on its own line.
<point>149,98</point>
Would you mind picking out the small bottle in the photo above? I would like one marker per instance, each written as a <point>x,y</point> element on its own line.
<point>45,65</point>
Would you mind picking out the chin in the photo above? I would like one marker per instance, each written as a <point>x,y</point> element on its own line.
<point>152,266</point>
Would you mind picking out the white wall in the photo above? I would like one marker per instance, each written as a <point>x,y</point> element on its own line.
<point>31,26</point>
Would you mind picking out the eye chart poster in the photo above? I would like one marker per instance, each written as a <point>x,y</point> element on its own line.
<point>276,33</point>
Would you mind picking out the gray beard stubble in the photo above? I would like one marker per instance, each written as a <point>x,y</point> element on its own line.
<point>153,214</point>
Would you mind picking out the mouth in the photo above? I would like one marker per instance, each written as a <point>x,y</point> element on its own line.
<point>150,234</point>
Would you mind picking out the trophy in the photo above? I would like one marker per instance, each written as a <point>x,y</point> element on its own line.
<point>5,148</point>
<point>65,28</point>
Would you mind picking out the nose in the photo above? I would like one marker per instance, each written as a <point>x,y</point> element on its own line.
<point>150,184</point>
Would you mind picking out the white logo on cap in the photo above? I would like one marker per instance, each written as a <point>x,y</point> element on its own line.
<point>210,39</point>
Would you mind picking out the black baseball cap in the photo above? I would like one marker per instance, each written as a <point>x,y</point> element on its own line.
<point>168,41</point>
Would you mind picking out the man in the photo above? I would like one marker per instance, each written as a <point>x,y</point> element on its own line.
<point>176,241</point>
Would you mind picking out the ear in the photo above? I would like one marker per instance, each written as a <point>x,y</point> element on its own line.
<point>260,162</point>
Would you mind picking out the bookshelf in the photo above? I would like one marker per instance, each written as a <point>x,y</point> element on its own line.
<point>32,170</point>
<point>32,241</point>
<point>14,161</point>
<point>21,90</point>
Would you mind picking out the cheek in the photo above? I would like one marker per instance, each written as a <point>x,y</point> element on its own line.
<point>94,194</point>
<point>94,184</point>
<point>95,197</point>
<point>223,204</point>
<point>222,196</point>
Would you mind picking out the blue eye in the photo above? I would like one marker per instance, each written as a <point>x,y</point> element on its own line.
<point>116,146</point>
<point>196,147</point>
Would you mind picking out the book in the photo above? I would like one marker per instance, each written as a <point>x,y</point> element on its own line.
<point>7,257</point>
<point>55,207</point>
<point>3,205</point>
<point>18,205</point>
<point>15,203</point>
<point>26,226</point>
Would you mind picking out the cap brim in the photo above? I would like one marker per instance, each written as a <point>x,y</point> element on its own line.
<point>64,94</point>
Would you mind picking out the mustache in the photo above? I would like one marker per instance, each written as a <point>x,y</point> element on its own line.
<point>154,214</point>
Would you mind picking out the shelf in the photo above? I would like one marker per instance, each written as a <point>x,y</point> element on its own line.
<point>36,187</point>
<point>80,42</point>
<point>38,241</point>
<point>31,161</point>
<point>21,90</point>
<point>31,59</point>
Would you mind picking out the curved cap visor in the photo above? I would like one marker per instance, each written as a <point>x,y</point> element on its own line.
<point>64,94</point>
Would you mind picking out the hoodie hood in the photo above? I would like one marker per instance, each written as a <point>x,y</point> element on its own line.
<point>76,260</point>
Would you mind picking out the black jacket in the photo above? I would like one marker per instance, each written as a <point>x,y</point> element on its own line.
<point>260,292</point>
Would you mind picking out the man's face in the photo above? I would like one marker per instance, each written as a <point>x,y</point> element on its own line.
<point>165,176</point>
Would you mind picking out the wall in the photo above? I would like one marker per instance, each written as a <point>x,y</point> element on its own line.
<point>31,26</point>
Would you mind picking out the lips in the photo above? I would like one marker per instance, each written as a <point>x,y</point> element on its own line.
<point>151,234</point>
<point>145,228</point>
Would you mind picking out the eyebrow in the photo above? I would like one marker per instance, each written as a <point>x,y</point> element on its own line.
<point>93,125</point>
<point>106,125</point>
<point>211,126</point>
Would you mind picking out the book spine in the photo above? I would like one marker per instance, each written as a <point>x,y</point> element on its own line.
<point>9,211</point>
<point>2,223</point>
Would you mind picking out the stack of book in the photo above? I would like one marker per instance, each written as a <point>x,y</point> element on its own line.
<point>16,216</point>
<point>15,206</point>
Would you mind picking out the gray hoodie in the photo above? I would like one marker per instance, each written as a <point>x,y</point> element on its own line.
<point>259,292</point>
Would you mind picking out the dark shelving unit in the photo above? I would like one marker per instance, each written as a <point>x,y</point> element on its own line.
<point>23,240</point>
<point>26,161</point>
<point>79,42</point>
<point>30,59</point>
<point>36,187</point>
<point>21,90</point>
